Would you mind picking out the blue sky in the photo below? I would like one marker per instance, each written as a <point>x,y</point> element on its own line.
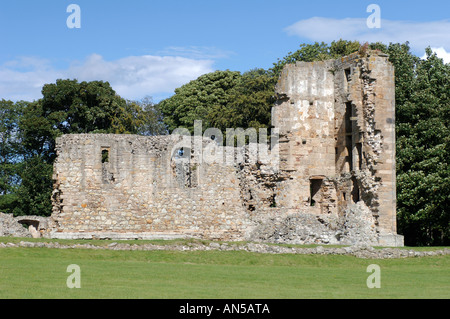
<point>149,47</point>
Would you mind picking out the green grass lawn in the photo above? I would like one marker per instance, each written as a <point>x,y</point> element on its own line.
<point>42,273</point>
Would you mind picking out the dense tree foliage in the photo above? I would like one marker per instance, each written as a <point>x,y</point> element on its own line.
<point>423,145</point>
<point>10,144</point>
<point>222,99</point>
<point>10,152</point>
<point>150,118</point>
<point>251,100</point>
<point>317,52</point>
<point>25,177</point>
<point>198,99</point>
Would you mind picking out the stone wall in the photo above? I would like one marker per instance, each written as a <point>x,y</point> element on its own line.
<point>328,178</point>
<point>128,184</point>
<point>305,116</point>
<point>337,140</point>
<point>22,226</point>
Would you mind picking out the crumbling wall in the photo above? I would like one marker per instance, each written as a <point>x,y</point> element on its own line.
<point>365,133</point>
<point>305,116</point>
<point>330,177</point>
<point>22,226</point>
<point>147,187</point>
<point>337,151</point>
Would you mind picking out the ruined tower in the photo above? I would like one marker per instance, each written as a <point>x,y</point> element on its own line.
<point>337,137</point>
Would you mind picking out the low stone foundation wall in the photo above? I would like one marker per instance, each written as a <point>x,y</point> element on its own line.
<point>359,251</point>
<point>116,236</point>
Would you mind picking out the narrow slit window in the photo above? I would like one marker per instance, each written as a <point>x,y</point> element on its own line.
<point>347,74</point>
<point>105,155</point>
<point>349,157</point>
<point>349,135</point>
<point>107,174</point>
<point>315,187</point>
<point>360,155</point>
<point>348,117</point>
<point>355,190</point>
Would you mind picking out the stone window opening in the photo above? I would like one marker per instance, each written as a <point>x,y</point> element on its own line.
<point>107,175</point>
<point>358,147</point>
<point>348,74</point>
<point>315,186</point>
<point>27,223</point>
<point>355,190</point>
<point>349,108</point>
<point>186,173</point>
<point>272,201</point>
<point>349,156</point>
<point>105,155</point>
<point>348,78</point>
<point>33,227</point>
<point>348,118</point>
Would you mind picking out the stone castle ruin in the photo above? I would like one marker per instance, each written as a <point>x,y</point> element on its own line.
<point>328,178</point>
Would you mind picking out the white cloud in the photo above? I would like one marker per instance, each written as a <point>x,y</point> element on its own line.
<point>441,53</point>
<point>419,34</point>
<point>197,52</point>
<point>23,78</point>
<point>131,77</point>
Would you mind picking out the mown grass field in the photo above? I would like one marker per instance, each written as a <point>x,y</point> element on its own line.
<point>42,273</point>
